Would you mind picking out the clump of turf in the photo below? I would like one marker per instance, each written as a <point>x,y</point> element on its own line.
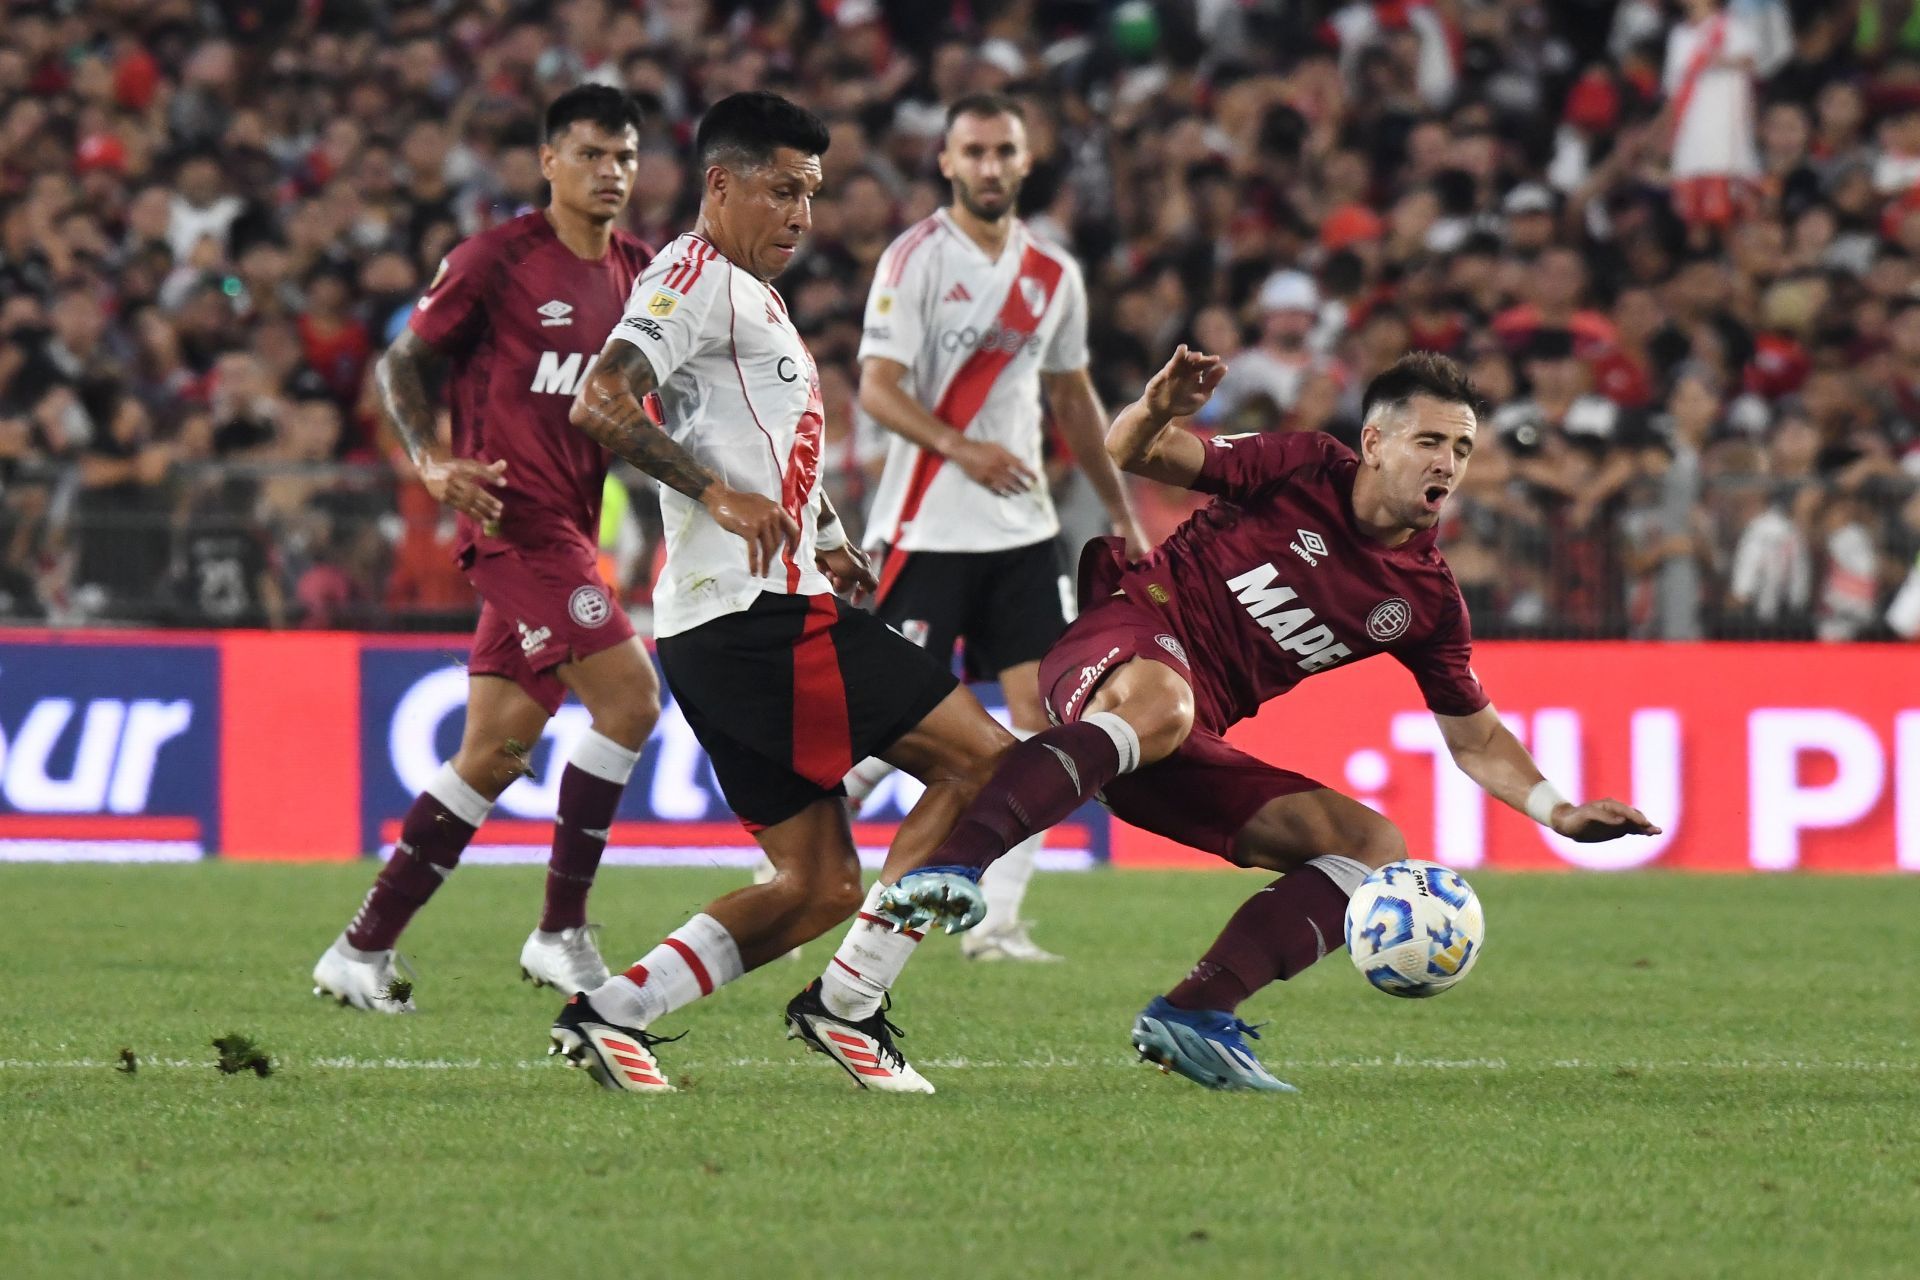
<point>129,1062</point>
<point>400,990</point>
<point>239,1053</point>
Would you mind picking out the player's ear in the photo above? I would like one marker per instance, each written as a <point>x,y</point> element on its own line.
<point>718,180</point>
<point>547,157</point>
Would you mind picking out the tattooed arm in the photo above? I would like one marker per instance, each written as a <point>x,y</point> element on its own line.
<point>402,376</point>
<point>607,407</point>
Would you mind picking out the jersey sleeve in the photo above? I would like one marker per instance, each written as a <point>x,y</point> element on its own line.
<point>896,320</point>
<point>1236,467</point>
<point>1068,349</point>
<point>669,310</point>
<point>452,313</point>
<point>1442,665</point>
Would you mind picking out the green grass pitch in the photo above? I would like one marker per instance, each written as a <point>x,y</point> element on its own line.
<point>1647,1075</point>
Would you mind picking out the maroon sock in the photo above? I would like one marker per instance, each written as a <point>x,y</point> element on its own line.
<point>587,805</point>
<point>431,842</point>
<point>1276,933</point>
<point>1039,782</point>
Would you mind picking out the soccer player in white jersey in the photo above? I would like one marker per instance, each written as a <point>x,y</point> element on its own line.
<point>970,320</point>
<point>783,685</point>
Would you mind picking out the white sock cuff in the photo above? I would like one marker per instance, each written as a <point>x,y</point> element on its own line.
<point>872,904</point>
<point>1343,871</point>
<point>715,947</point>
<point>1125,740</point>
<point>602,757</point>
<point>451,790</point>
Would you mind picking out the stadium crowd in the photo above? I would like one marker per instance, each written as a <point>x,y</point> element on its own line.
<point>1678,246</point>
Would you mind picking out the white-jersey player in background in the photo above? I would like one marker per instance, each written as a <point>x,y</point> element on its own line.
<point>971,319</point>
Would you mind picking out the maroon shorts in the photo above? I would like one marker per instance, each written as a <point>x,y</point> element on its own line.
<point>1205,793</point>
<point>542,606</point>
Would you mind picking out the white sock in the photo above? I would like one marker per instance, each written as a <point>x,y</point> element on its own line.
<point>1005,883</point>
<point>868,962</point>
<point>696,959</point>
<point>451,790</point>
<point>604,758</point>
<point>864,777</point>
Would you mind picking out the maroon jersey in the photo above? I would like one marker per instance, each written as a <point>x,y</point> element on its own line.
<point>1273,582</point>
<point>521,319</point>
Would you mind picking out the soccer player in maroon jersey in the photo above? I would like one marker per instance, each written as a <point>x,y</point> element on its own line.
<point>514,318</point>
<point>1309,558</point>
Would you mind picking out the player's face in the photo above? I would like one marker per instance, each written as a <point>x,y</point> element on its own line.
<point>765,212</point>
<point>986,159</point>
<point>591,169</point>
<point>1421,456</point>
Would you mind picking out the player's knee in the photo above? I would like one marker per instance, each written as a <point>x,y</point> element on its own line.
<point>1163,722</point>
<point>630,720</point>
<point>837,898</point>
<point>1377,843</point>
<point>491,767</point>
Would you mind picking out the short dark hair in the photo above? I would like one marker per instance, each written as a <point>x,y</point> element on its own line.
<point>985,105</point>
<point>1420,373</point>
<point>743,130</point>
<point>598,104</point>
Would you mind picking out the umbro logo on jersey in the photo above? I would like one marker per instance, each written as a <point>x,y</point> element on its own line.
<point>1309,547</point>
<point>958,294</point>
<point>556,312</point>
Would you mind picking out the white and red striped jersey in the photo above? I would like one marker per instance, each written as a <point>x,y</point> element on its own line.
<point>739,391</point>
<point>975,334</point>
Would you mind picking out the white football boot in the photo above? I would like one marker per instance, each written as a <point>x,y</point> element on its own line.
<point>1009,943</point>
<point>864,1049</point>
<point>617,1057</point>
<point>567,960</point>
<point>362,979</point>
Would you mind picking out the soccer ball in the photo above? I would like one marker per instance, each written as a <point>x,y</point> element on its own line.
<point>1414,928</point>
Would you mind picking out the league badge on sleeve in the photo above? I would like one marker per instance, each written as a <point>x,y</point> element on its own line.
<point>662,303</point>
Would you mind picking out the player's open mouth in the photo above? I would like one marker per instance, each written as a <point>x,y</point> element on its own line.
<point>1434,495</point>
<point>786,250</point>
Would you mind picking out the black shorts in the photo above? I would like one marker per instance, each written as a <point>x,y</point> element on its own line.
<point>787,695</point>
<point>1008,606</point>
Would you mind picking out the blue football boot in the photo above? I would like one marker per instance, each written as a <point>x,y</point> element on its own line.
<point>947,896</point>
<point>1204,1045</point>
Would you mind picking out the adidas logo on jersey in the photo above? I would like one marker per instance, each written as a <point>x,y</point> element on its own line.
<point>1296,630</point>
<point>1309,547</point>
<point>958,294</point>
<point>556,312</point>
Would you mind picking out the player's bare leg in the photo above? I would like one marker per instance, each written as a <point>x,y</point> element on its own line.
<point>843,1013</point>
<point>619,687</point>
<point>1003,934</point>
<point>502,723</point>
<point>1326,844</point>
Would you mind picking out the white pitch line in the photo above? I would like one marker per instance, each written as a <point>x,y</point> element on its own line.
<point>1396,1063</point>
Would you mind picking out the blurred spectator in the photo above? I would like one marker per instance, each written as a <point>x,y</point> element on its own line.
<point>1676,242</point>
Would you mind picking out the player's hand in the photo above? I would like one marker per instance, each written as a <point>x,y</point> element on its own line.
<point>849,570</point>
<point>1184,384</point>
<point>464,484</point>
<point>1598,820</point>
<point>768,529</point>
<point>989,465</point>
<point>1138,548</point>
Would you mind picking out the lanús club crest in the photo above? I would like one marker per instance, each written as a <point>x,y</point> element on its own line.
<point>1389,620</point>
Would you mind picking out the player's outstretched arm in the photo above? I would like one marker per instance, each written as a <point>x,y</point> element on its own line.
<point>1143,439</point>
<point>1077,412</point>
<point>402,376</point>
<point>607,407</point>
<point>1486,751</point>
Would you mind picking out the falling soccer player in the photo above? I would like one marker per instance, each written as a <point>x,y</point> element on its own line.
<point>1309,558</point>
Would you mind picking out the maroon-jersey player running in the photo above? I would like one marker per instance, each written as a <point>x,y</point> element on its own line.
<point>1309,558</point>
<point>515,316</point>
